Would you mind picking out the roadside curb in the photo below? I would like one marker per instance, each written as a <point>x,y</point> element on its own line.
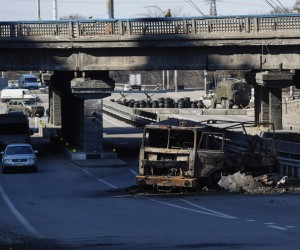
<point>100,163</point>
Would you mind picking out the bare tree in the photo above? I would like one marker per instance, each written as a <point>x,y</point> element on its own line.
<point>73,17</point>
<point>296,7</point>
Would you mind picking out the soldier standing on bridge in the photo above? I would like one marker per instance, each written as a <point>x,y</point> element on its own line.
<point>168,13</point>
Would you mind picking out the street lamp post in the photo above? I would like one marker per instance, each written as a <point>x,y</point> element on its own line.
<point>54,9</point>
<point>110,8</point>
<point>38,10</point>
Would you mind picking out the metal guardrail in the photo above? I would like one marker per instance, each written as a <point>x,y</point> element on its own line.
<point>128,115</point>
<point>152,26</point>
<point>290,167</point>
<point>289,158</point>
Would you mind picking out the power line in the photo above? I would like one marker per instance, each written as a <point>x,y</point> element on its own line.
<point>194,6</point>
<point>276,10</point>
<point>287,11</point>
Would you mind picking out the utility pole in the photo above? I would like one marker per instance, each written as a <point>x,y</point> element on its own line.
<point>38,10</point>
<point>54,9</point>
<point>110,8</point>
<point>212,12</point>
<point>213,8</point>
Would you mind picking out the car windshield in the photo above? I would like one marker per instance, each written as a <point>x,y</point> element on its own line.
<point>31,79</point>
<point>29,102</point>
<point>18,150</point>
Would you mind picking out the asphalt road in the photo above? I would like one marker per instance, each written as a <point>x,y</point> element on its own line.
<point>64,206</point>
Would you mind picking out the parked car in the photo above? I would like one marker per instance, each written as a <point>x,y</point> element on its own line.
<point>14,93</point>
<point>127,87</point>
<point>30,108</point>
<point>19,156</point>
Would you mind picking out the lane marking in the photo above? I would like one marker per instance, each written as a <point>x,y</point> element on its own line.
<point>132,171</point>
<point>99,179</point>
<point>18,215</point>
<point>279,228</point>
<point>209,210</point>
<point>250,220</point>
<point>191,210</point>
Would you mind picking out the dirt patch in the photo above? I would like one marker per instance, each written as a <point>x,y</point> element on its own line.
<point>10,241</point>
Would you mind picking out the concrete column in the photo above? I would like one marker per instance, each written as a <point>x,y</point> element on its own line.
<point>77,107</point>
<point>268,94</point>
<point>55,108</point>
<point>50,101</point>
<point>92,126</point>
<point>271,84</point>
<point>275,109</point>
<point>257,107</point>
<point>85,111</point>
<point>264,105</point>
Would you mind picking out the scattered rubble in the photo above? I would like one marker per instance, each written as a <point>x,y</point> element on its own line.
<point>238,182</point>
<point>267,183</point>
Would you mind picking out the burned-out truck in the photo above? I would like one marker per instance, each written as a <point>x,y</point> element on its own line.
<point>187,154</point>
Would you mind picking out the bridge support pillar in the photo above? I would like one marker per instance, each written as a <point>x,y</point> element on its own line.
<point>84,126</point>
<point>76,105</point>
<point>54,107</point>
<point>268,106</point>
<point>268,95</point>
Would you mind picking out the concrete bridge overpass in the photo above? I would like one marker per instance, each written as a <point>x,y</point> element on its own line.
<point>81,54</point>
<point>212,43</point>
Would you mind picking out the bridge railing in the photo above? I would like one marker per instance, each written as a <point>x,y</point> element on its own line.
<point>151,26</point>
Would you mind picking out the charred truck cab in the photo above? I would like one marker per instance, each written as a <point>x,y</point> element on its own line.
<point>179,154</point>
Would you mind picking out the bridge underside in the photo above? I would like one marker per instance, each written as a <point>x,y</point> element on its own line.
<point>157,58</point>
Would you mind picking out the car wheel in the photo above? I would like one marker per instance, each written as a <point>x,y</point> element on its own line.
<point>28,112</point>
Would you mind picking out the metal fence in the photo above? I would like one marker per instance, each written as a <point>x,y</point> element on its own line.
<point>152,26</point>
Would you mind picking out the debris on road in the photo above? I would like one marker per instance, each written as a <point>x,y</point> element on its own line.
<point>238,182</point>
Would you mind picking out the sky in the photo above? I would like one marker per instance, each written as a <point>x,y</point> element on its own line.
<point>16,10</point>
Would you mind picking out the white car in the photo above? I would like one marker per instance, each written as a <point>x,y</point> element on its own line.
<point>127,87</point>
<point>19,156</point>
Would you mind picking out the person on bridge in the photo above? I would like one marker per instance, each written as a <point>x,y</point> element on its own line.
<point>168,13</point>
